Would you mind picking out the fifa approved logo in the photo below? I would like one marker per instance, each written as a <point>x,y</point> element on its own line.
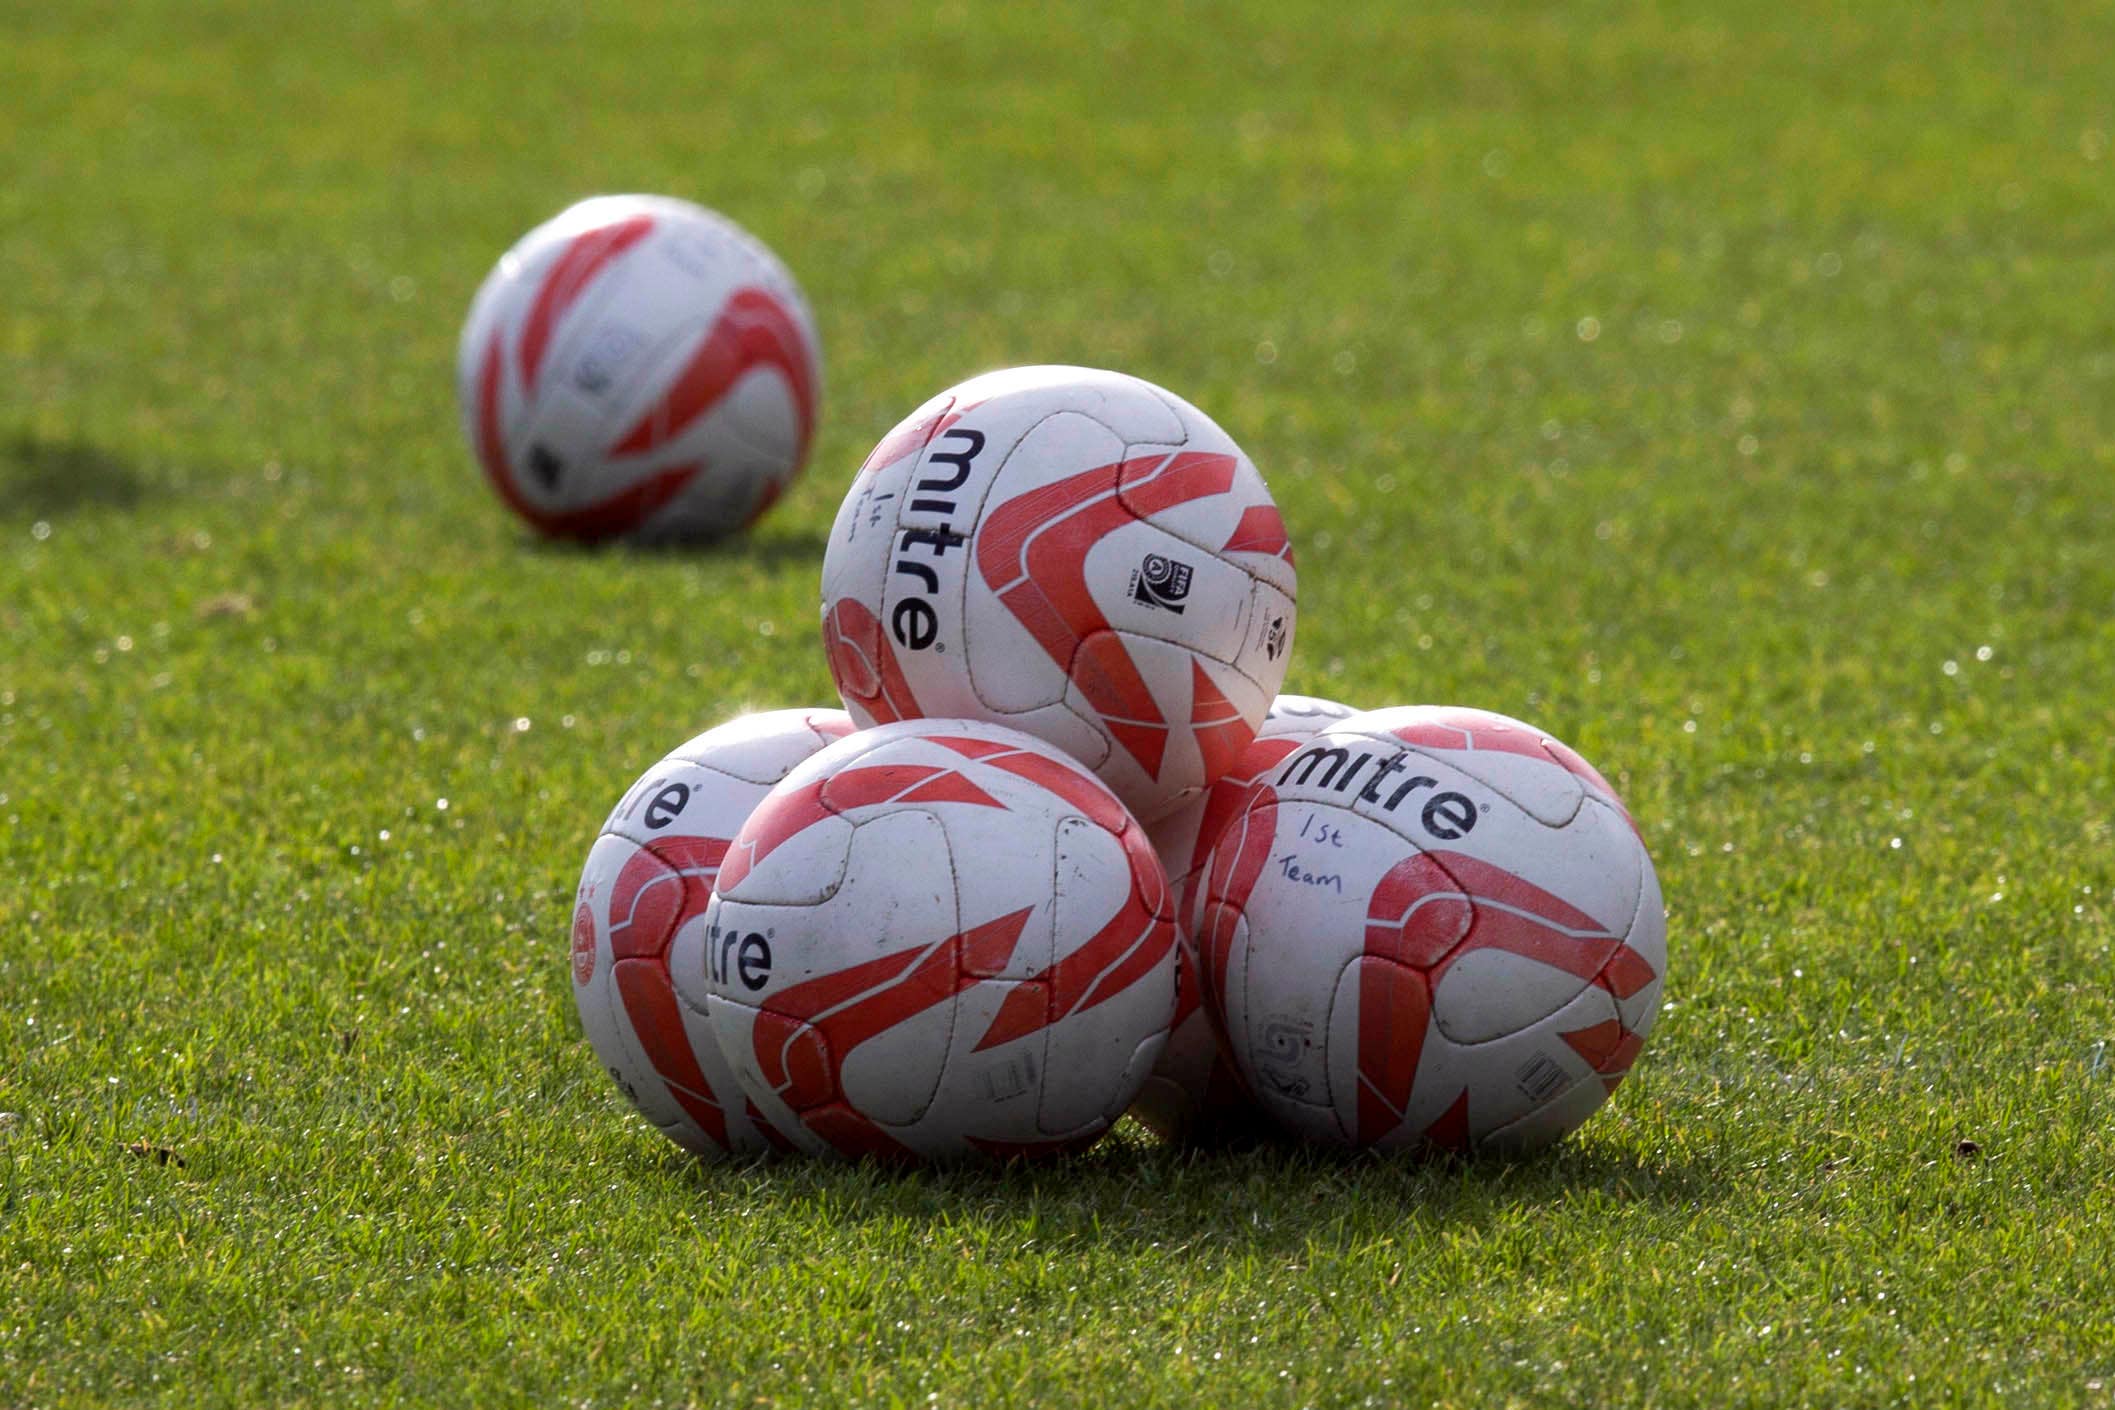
<point>1161,582</point>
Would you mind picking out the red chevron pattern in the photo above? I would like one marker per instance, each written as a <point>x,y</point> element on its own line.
<point>1261,530</point>
<point>1237,863</point>
<point>1449,728</point>
<point>1131,946</point>
<point>660,887</point>
<point>1225,797</point>
<point>1032,552</point>
<point>1475,731</point>
<point>786,813</point>
<point>1432,908</point>
<point>585,256</point>
<point>804,1037</point>
<point>1217,722</point>
<point>1076,786</point>
<point>620,513</point>
<point>1609,1047</point>
<point>1395,1007</point>
<point>864,665</point>
<point>908,440</point>
<point>1429,911</point>
<point>753,330</point>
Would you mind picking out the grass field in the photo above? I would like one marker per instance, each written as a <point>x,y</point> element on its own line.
<point>1727,387</point>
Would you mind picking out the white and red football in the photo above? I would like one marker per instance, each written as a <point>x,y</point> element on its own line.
<point>938,940</point>
<point>647,879</point>
<point>1194,1093</point>
<point>1432,927</point>
<point>639,367</point>
<point>1077,554</point>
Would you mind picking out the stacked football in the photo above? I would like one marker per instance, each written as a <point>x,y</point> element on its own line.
<point>1068,852</point>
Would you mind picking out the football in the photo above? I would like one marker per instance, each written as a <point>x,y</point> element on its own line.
<point>1432,927</point>
<point>936,941</point>
<point>1194,1095</point>
<point>1077,554</point>
<point>639,367</point>
<point>647,878</point>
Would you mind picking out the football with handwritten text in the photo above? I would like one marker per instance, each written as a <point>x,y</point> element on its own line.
<point>1432,928</point>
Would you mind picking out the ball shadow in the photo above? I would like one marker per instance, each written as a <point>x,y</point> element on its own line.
<point>1133,1190</point>
<point>42,478</point>
<point>768,549</point>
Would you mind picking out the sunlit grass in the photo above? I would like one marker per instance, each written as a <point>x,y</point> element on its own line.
<point>1727,389</point>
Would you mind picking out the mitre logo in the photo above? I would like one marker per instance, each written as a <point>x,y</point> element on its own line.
<point>913,621</point>
<point>1445,814</point>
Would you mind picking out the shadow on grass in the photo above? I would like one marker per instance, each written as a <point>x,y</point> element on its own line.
<point>44,479</point>
<point>767,549</point>
<point>1130,1189</point>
